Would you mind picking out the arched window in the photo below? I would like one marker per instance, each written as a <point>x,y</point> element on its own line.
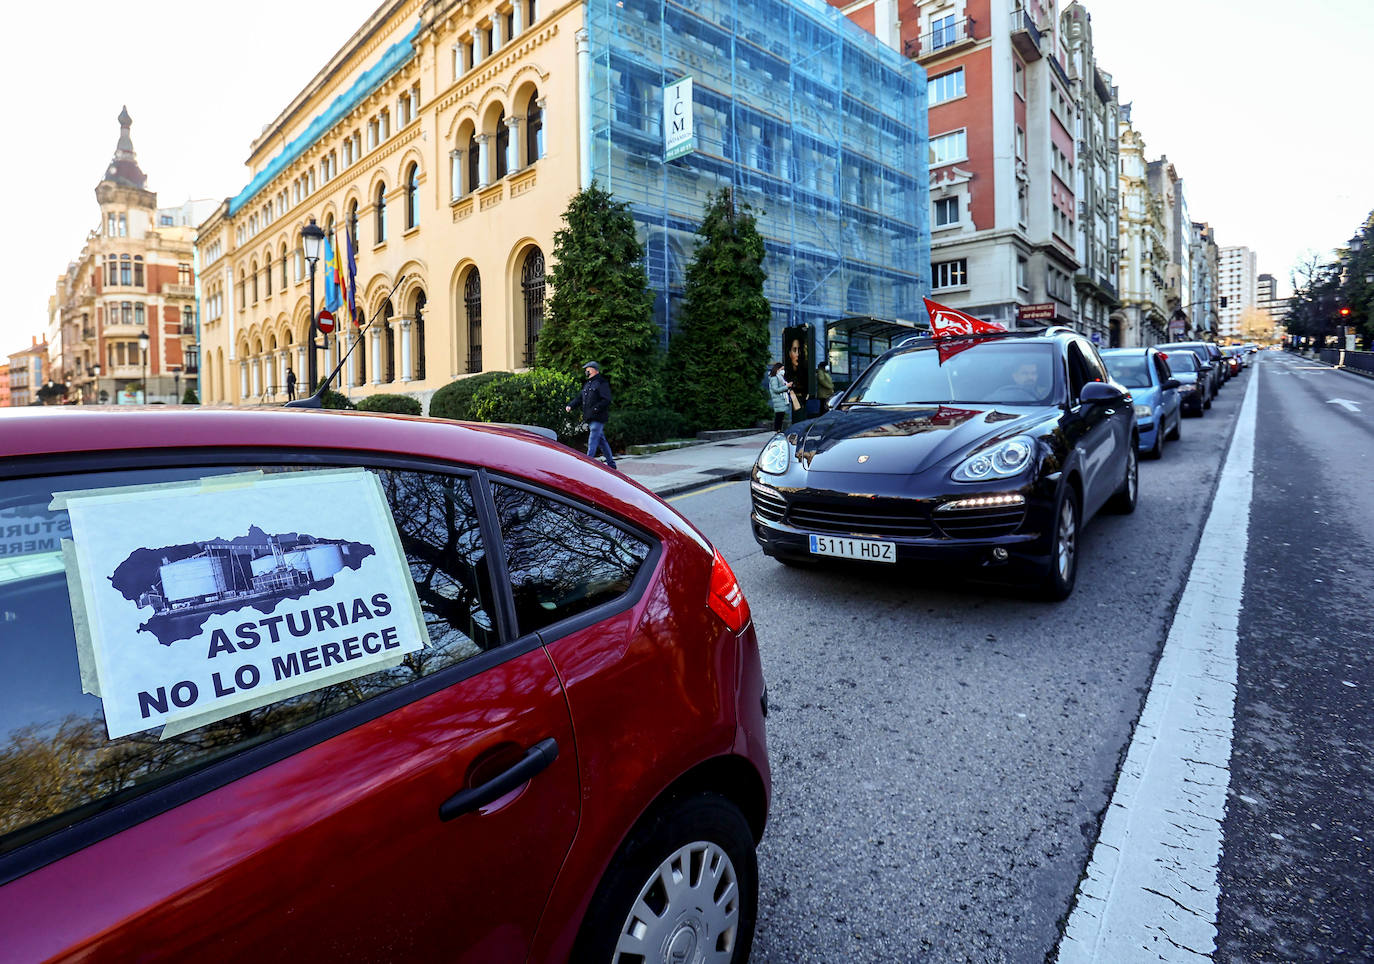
<point>360,353</point>
<point>420,336</point>
<point>412,196</point>
<point>502,146</point>
<point>126,312</point>
<point>534,132</point>
<point>255,282</point>
<point>283,266</point>
<point>126,270</point>
<point>380,204</point>
<point>139,317</point>
<point>267,273</point>
<point>138,270</point>
<point>112,266</point>
<point>472,307</point>
<point>474,164</point>
<point>532,286</point>
<point>353,223</point>
<point>388,344</point>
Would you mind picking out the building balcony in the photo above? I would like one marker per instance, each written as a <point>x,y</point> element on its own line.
<point>1025,35</point>
<point>120,330</point>
<point>942,41</point>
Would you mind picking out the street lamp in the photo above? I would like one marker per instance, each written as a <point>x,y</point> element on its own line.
<point>312,237</point>
<point>143,350</point>
<point>95,383</point>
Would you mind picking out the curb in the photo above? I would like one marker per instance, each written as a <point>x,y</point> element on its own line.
<point>682,488</point>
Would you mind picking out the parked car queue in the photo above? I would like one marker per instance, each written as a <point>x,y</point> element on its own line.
<point>983,453</point>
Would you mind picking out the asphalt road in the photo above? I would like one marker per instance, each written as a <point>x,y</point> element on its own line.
<point>1297,870</point>
<point>943,752</point>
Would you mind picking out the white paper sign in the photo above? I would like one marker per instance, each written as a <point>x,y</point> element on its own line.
<point>677,119</point>
<point>205,599</point>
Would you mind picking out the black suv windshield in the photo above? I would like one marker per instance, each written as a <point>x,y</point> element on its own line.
<point>963,372</point>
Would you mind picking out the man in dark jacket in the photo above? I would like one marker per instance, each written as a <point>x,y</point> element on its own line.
<point>595,402</point>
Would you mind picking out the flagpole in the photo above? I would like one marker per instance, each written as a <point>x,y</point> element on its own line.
<point>317,400</point>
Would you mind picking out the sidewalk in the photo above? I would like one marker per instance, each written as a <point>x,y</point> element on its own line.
<point>675,471</point>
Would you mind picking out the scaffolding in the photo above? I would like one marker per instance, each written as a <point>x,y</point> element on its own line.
<point>812,121</point>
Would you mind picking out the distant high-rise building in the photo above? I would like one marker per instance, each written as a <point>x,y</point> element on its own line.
<point>1236,284</point>
<point>1267,300</point>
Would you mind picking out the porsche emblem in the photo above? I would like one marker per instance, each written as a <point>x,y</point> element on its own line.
<point>863,459</point>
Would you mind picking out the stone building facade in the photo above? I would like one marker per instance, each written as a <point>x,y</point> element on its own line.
<point>1143,287</point>
<point>446,139</point>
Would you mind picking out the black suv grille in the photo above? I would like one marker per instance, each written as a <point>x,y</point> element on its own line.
<point>891,517</point>
<point>981,523</point>
<point>768,506</point>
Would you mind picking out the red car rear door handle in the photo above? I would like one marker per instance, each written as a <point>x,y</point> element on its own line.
<point>536,758</point>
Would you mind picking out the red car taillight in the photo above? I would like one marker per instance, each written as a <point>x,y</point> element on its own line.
<point>725,596</point>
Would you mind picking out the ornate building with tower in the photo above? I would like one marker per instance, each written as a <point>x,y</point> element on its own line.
<point>126,306</point>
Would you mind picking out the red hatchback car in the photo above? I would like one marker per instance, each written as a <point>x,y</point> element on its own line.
<point>304,685</point>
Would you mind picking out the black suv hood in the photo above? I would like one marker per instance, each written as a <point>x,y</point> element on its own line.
<point>907,440</point>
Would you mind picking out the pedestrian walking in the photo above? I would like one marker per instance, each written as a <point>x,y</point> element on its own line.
<point>595,401</point>
<point>290,384</point>
<point>825,386</point>
<point>779,390</point>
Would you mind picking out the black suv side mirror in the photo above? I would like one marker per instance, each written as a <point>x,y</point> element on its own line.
<point>1172,383</point>
<point>1094,392</point>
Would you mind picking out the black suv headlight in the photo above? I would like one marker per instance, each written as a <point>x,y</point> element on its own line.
<point>774,457</point>
<point>1000,461</point>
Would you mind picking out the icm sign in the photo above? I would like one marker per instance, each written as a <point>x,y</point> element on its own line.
<point>677,119</point>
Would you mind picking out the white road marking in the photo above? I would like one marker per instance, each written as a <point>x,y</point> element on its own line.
<point>1346,403</point>
<point>1151,893</point>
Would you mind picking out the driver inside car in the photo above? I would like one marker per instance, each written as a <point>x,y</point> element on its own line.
<point>1027,377</point>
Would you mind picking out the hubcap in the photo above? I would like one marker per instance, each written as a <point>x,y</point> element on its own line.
<point>1068,536</point>
<point>686,912</point>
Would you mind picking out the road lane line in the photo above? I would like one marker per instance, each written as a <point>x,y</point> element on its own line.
<point>1150,892</point>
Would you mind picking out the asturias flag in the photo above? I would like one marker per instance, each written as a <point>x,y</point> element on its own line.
<point>333,296</point>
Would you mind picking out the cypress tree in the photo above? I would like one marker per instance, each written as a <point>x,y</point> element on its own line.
<point>718,355</point>
<point>601,308</point>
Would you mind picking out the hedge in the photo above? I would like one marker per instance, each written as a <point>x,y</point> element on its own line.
<point>393,404</point>
<point>534,397</point>
<point>454,400</point>
<point>640,426</point>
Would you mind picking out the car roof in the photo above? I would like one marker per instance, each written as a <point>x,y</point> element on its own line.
<point>37,431</point>
<point>926,342</point>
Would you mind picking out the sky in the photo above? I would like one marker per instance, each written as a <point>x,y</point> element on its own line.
<point>1264,108</point>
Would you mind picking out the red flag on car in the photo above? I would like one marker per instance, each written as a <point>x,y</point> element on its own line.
<point>949,322</point>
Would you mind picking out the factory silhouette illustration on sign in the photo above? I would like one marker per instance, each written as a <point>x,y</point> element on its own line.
<point>187,584</point>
